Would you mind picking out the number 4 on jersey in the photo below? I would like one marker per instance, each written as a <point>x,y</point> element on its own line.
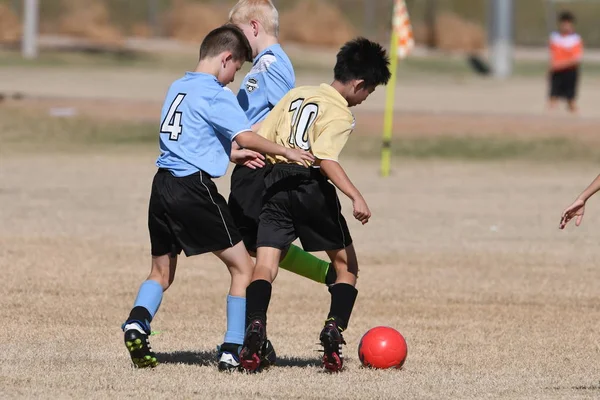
<point>172,122</point>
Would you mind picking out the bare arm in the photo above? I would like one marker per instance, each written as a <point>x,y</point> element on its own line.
<point>248,158</point>
<point>577,209</point>
<point>336,174</point>
<point>590,190</point>
<point>235,146</point>
<point>252,141</point>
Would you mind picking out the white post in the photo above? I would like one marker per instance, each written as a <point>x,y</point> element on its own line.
<point>29,45</point>
<point>501,37</point>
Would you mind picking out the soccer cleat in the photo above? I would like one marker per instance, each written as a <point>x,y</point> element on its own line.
<point>228,357</point>
<point>268,357</point>
<point>138,345</point>
<point>332,341</point>
<point>250,356</point>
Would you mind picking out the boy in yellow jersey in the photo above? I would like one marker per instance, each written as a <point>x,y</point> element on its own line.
<point>302,203</point>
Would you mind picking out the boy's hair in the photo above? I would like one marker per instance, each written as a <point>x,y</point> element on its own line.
<point>362,59</point>
<point>226,38</point>
<point>261,10</point>
<point>566,16</point>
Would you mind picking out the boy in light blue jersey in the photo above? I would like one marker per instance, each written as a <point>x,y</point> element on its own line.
<point>271,77</point>
<point>200,118</point>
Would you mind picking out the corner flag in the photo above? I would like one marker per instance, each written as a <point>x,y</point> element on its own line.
<point>402,42</point>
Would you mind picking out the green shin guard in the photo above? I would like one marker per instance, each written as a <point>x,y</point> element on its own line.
<point>305,264</point>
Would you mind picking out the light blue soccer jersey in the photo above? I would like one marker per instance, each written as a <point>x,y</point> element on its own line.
<point>270,78</point>
<point>199,119</point>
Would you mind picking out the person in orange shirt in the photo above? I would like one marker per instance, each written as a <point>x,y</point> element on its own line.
<point>566,51</point>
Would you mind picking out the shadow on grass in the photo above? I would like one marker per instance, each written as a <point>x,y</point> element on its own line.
<point>582,387</point>
<point>298,362</point>
<point>203,358</point>
<point>209,359</point>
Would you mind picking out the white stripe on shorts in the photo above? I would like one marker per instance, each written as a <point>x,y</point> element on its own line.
<point>218,208</point>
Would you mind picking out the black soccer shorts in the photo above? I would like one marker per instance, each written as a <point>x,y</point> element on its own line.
<point>189,214</point>
<point>301,203</point>
<point>563,84</point>
<point>245,201</point>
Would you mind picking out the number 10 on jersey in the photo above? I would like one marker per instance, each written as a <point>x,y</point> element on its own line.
<point>303,117</point>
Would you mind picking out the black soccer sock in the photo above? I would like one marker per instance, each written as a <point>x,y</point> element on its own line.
<point>343,296</point>
<point>142,315</point>
<point>258,296</point>
<point>331,275</point>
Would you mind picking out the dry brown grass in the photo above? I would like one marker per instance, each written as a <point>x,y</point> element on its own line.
<point>451,32</point>
<point>464,259</point>
<point>316,23</point>
<point>190,22</point>
<point>89,19</point>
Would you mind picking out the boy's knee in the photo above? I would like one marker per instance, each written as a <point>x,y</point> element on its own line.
<point>164,280</point>
<point>163,271</point>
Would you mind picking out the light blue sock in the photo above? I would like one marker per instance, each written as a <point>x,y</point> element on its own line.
<point>149,296</point>
<point>236,319</point>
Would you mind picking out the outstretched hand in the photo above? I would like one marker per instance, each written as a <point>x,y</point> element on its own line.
<point>247,158</point>
<point>301,156</point>
<point>574,210</point>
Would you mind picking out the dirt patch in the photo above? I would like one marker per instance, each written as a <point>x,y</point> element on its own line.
<point>10,26</point>
<point>369,123</point>
<point>451,33</point>
<point>317,23</point>
<point>89,20</point>
<point>417,124</point>
<point>109,110</point>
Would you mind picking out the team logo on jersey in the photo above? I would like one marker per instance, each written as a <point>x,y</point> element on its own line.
<point>251,85</point>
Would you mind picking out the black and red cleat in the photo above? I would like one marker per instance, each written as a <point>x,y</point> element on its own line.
<point>250,356</point>
<point>332,341</point>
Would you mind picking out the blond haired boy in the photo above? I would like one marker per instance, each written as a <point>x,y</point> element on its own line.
<point>271,77</point>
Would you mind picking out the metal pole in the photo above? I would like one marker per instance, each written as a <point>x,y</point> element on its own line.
<point>501,37</point>
<point>29,45</point>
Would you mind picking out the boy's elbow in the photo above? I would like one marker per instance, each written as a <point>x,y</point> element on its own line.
<point>244,139</point>
<point>327,165</point>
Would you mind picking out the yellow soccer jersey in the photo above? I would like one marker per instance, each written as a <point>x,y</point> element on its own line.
<point>313,118</point>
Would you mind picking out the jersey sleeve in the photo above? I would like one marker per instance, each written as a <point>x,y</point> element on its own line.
<point>333,135</point>
<point>271,126</point>
<point>226,115</point>
<point>578,49</point>
<point>278,82</point>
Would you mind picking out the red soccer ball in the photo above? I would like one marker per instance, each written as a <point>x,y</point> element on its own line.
<point>382,347</point>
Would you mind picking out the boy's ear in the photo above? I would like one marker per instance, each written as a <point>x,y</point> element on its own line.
<point>255,27</point>
<point>227,57</point>
<point>358,84</point>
